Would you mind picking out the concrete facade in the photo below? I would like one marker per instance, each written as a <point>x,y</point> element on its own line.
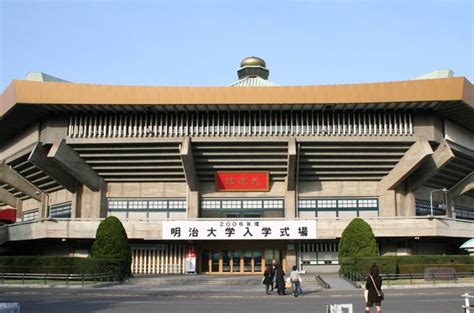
<point>151,161</point>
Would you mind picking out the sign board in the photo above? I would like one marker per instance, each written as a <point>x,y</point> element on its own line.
<point>191,260</point>
<point>239,230</point>
<point>242,181</point>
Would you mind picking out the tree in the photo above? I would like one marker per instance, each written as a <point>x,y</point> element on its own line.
<point>357,240</point>
<point>111,242</point>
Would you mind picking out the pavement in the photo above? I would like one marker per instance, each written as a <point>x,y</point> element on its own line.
<point>231,284</point>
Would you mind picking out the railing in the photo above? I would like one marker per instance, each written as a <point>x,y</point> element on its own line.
<point>412,279</point>
<point>354,278</point>
<point>322,282</point>
<point>66,278</point>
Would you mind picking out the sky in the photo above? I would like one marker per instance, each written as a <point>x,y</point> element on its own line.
<point>201,43</point>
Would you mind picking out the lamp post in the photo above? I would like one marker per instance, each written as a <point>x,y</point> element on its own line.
<point>431,197</point>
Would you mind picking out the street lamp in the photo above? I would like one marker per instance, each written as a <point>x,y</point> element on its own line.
<point>431,197</point>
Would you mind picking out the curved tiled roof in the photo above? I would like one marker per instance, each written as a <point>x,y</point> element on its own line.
<point>253,81</point>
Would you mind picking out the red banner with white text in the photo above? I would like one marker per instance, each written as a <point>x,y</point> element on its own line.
<point>242,181</point>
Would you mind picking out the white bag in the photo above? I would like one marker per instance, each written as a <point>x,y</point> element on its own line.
<point>366,295</point>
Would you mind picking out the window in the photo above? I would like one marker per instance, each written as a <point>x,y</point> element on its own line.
<point>31,215</point>
<point>144,208</point>
<point>337,207</point>
<point>319,253</point>
<point>248,208</point>
<point>62,210</point>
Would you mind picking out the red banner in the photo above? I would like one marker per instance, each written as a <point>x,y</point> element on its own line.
<point>242,181</point>
<point>8,216</point>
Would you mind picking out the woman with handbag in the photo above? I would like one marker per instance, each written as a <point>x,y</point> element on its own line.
<point>374,286</point>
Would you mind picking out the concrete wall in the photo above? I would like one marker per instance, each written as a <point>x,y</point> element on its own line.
<point>326,229</point>
<point>277,190</point>
<point>60,196</point>
<point>146,190</point>
<point>428,126</point>
<point>335,189</point>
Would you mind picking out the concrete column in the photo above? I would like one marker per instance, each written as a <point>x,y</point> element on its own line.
<point>405,203</point>
<point>92,204</point>
<point>43,210</point>
<point>290,257</point>
<point>387,203</point>
<point>76,202</point>
<point>192,199</point>
<point>19,208</point>
<point>290,204</point>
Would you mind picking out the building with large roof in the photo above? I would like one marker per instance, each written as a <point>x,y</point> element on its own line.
<point>235,177</point>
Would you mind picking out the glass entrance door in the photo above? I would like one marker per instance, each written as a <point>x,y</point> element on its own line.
<point>232,261</point>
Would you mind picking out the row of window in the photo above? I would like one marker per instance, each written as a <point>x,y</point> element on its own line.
<point>62,210</point>
<point>313,204</point>
<point>249,208</point>
<point>147,205</point>
<point>241,204</point>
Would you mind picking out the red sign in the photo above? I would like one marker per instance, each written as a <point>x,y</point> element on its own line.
<point>242,181</point>
<point>8,216</point>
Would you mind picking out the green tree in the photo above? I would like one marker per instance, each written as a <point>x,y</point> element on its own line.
<point>111,242</point>
<point>357,240</point>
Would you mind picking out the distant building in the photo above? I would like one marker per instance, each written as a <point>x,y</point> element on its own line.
<point>235,177</point>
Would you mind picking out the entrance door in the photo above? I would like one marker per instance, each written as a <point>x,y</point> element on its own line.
<point>232,261</point>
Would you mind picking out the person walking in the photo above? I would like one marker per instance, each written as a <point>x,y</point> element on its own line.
<point>374,286</point>
<point>280,280</point>
<point>268,278</point>
<point>295,280</point>
<point>273,275</point>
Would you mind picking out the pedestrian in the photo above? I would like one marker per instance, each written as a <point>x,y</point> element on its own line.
<point>267,279</point>
<point>280,280</point>
<point>295,280</point>
<point>374,287</point>
<point>273,275</point>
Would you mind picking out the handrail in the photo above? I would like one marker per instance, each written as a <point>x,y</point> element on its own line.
<point>322,282</point>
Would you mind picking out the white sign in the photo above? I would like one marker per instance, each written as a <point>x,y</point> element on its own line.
<point>191,264</point>
<point>239,230</point>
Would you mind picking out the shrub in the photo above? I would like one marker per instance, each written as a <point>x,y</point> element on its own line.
<point>112,243</point>
<point>357,240</point>
<point>413,264</point>
<point>59,265</point>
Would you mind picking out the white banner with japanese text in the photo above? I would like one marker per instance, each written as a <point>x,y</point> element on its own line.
<point>239,230</point>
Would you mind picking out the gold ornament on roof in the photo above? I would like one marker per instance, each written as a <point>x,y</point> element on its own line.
<point>252,61</point>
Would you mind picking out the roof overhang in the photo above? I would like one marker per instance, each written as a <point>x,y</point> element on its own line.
<point>24,102</point>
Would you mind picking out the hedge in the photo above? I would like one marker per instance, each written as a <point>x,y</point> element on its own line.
<point>420,268</point>
<point>407,264</point>
<point>60,265</point>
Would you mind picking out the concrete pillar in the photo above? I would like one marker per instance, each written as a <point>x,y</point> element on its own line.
<point>76,202</point>
<point>387,203</point>
<point>290,257</point>
<point>92,204</point>
<point>405,203</point>
<point>44,206</point>
<point>192,199</point>
<point>290,204</point>
<point>19,208</point>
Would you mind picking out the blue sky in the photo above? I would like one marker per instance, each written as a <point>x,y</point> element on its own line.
<point>201,43</point>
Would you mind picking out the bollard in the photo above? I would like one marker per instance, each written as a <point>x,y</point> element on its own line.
<point>467,306</point>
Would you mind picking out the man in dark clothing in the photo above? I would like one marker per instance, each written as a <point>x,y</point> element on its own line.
<point>280,280</point>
